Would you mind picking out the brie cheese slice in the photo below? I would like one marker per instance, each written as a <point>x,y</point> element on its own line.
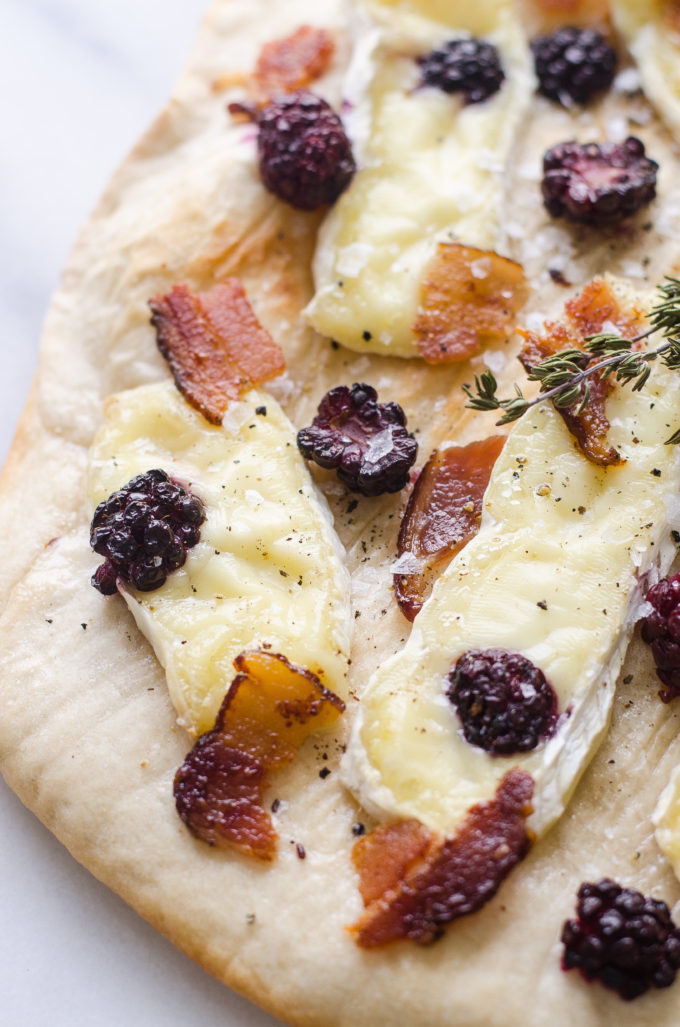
<point>667,821</point>
<point>558,572</point>
<point>653,39</point>
<point>432,170</point>
<point>268,571</point>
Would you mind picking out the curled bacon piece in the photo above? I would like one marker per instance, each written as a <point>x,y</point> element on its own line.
<point>215,346</point>
<point>585,314</point>
<point>292,63</point>
<point>268,712</point>
<point>414,881</point>
<point>468,297</point>
<point>442,515</point>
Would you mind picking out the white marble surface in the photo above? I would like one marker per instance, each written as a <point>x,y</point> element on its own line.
<point>79,81</point>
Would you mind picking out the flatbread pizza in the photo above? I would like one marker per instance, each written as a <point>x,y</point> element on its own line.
<point>265,387</point>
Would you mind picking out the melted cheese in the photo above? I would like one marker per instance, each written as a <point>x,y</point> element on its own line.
<point>654,42</point>
<point>432,169</point>
<point>268,570</point>
<point>667,821</point>
<point>554,573</point>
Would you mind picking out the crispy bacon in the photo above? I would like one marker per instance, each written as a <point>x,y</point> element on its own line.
<point>442,515</point>
<point>292,63</point>
<point>585,314</point>
<point>384,856</point>
<point>468,298</point>
<point>575,11</point>
<point>215,346</point>
<point>431,880</point>
<point>268,712</point>
<point>595,305</point>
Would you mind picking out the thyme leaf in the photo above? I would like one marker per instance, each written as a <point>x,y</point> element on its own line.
<point>564,376</point>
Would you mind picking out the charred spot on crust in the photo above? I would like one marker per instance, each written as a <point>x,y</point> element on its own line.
<point>626,941</point>
<point>504,701</point>
<point>364,441</point>
<point>144,530</point>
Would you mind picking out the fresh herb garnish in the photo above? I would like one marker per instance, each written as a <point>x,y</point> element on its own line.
<point>564,376</point>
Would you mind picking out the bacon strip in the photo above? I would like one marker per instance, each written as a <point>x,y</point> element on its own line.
<point>468,298</point>
<point>294,62</point>
<point>270,709</point>
<point>441,879</point>
<point>215,346</point>
<point>572,12</point>
<point>384,856</point>
<point>442,515</point>
<point>585,314</point>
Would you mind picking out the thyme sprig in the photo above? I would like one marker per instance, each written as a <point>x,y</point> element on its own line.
<point>564,376</point>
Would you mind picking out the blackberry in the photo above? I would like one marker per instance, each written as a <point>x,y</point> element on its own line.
<point>661,631</point>
<point>596,183</point>
<point>364,441</point>
<point>503,700</point>
<point>144,531</point>
<point>468,66</point>
<point>621,938</point>
<point>305,157</point>
<point>572,64</point>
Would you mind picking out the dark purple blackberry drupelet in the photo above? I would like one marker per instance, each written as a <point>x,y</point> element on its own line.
<point>468,66</point>
<point>661,631</point>
<point>305,157</point>
<point>622,939</point>
<point>144,530</point>
<point>598,184</point>
<point>503,700</point>
<point>366,442</point>
<point>573,64</point>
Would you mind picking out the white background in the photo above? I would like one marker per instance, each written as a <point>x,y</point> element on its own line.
<point>79,81</point>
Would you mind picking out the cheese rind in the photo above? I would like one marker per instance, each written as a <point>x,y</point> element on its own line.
<point>557,572</point>
<point>268,570</point>
<point>432,170</point>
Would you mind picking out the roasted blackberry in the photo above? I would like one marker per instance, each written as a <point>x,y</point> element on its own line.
<point>144,531</point>
<point>468,66</point>
<point>621,938</point>
<point>503,700</point>
<point>572,64</point>
<point>661,631</point>
<point>305,157</point>
<point>366,442</point>
<point>596,183</point>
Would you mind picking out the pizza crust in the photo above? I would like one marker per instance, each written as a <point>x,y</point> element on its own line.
<point>88,737</point>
